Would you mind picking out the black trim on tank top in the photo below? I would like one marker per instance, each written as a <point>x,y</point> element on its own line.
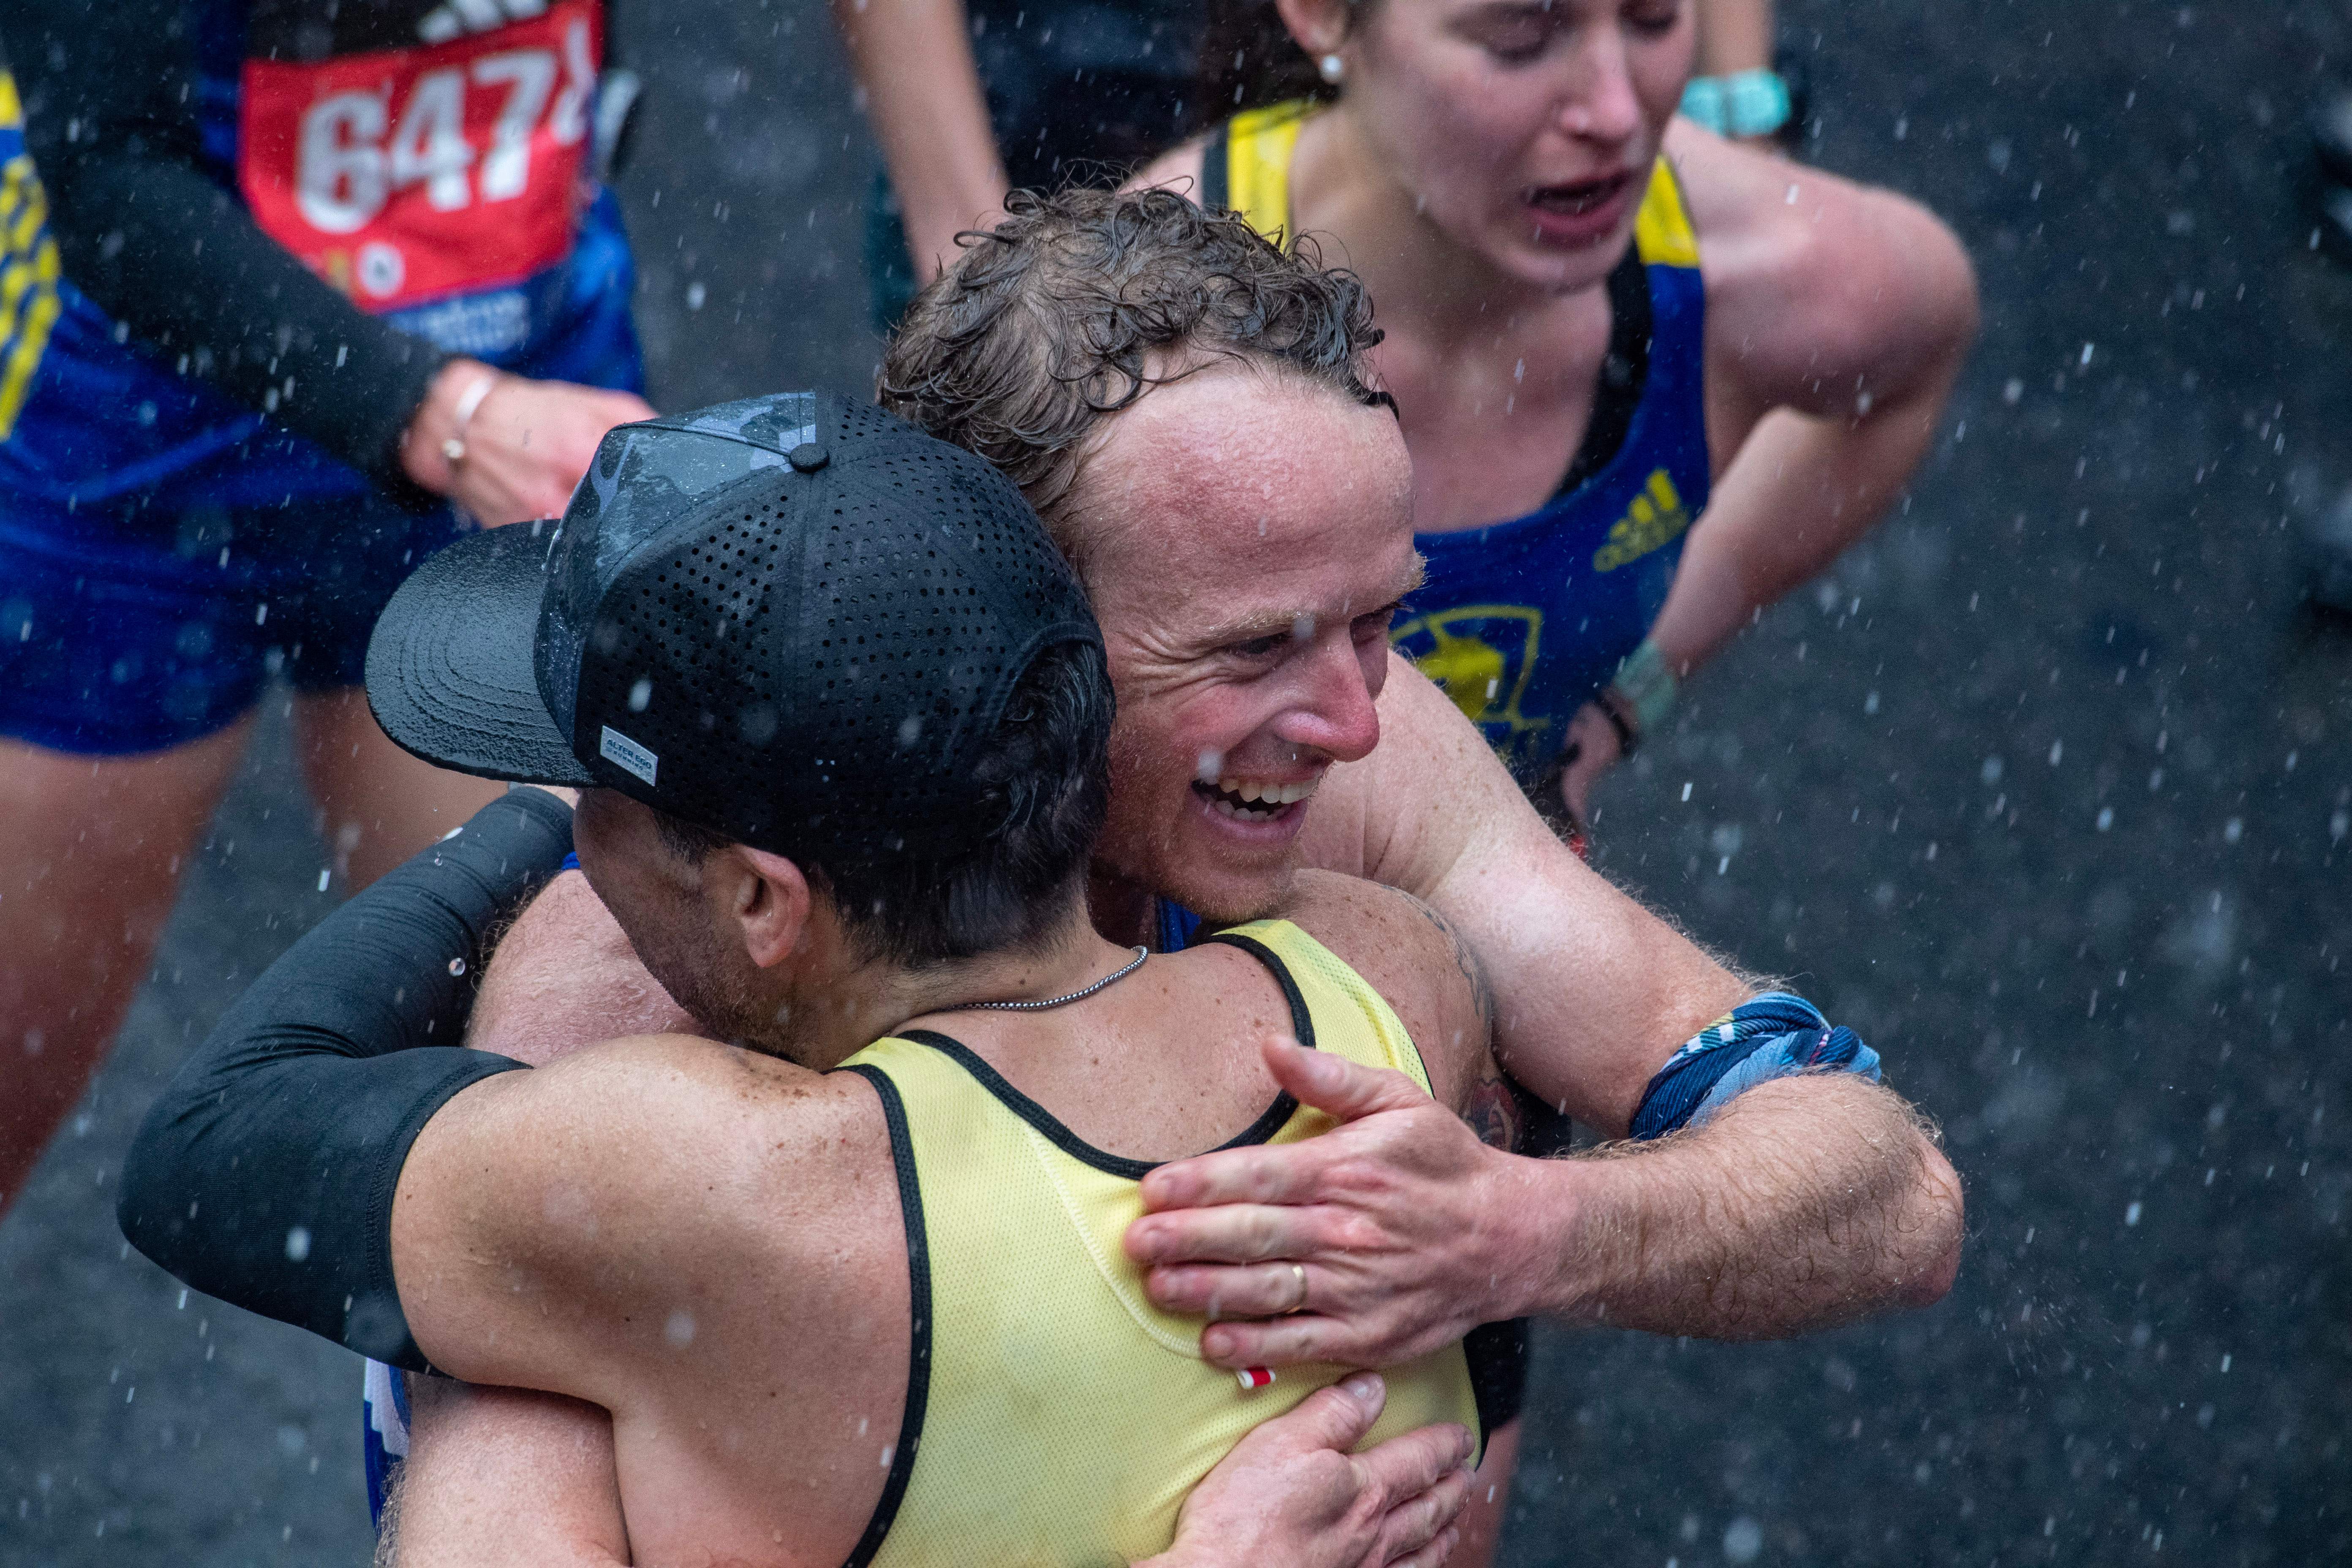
<point>1497,1355</point>
<point>1216,181</point>
<point>1274,1119</point>
<point>1624,372</point>
<point>1302,1022</point>
<point>919,1307</point>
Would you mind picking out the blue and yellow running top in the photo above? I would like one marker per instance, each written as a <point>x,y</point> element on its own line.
<point>28,260</point>
<point>1522,620</point>
<point>167,541</point>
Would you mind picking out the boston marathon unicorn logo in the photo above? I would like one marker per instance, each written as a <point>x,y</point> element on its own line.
<point>1481,657</point>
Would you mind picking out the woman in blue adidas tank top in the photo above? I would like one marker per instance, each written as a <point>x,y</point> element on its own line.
<point>1651,380</point>
<point>282,282</point>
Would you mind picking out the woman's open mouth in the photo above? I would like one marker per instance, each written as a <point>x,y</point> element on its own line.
<point>1582,211</point>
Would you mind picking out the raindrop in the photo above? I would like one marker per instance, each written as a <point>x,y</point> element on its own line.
<point>695,294</point>
<point>2107,817</point>
<point>2234,830</point>
<point>640,694</point>
<point>456,966</point>
<point>323,874</point>
<point>679,1329</point>
<point>1743,1540</point>
<point>2131,1213</point>
<point>1870,703</point>
<point>2057,750</point>
<point>298,1244</point>
<point>1209,765</point>
<point>1990,771</point>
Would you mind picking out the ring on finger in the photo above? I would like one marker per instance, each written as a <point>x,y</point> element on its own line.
<point>1299,1272</point>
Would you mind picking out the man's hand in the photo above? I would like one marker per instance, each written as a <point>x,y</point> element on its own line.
<point>1291,1493</point>
<point>525,443</point>
<point>1392,1217</point>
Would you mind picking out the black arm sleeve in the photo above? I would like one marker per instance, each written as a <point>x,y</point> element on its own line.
<point>111,120</point>
<point>264,1174</point>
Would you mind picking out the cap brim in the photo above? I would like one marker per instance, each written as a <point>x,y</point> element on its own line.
<point>450,669</point>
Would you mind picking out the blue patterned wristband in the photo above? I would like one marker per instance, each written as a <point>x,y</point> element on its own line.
<point>1765,1037</point>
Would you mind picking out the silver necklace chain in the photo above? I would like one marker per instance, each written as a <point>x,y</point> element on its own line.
<point>1130,967</point>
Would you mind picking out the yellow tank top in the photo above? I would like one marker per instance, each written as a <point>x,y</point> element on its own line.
<point>1247,166</point>
<point>1055,1416</point>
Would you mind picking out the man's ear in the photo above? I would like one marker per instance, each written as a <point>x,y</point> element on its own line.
<point>767,898</point>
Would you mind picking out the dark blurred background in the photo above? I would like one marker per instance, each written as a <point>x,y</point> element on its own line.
<point>2048,791</point>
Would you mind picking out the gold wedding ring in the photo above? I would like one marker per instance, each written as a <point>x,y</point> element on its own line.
<point>1299,1305</point>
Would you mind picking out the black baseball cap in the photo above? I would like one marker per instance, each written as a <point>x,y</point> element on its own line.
<point>792,620</point>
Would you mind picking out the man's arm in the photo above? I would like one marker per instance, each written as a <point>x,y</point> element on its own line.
<point>1808,1202</point>
<point>497,1476</point>
<point>1590,991</point>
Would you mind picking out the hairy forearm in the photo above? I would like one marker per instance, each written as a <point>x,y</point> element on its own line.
<point>921,92</point>
<point>1802,489</point>
<point>1808,1202</point>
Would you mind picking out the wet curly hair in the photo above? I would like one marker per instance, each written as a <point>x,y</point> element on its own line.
<point>1051,323</point>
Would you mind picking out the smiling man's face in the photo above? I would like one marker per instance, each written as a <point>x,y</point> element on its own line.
<point>1248,537</point>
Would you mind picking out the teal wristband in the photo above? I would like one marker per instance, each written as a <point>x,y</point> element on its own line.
<point>1745,103</point>
<point>1703,103</point>
<point>1647,686</point>
<point>1754,103</point>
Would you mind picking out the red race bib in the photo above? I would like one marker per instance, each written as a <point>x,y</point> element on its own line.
<point>400,176</point>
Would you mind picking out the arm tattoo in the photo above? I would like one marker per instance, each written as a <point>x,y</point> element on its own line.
<point>1492,1112</point>
<point>1465,959</point>
<point>1490,1108</point>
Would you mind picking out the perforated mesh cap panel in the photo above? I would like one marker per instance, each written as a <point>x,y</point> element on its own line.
<point>795,620</point>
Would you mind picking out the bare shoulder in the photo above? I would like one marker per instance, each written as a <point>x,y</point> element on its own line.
<point>563,976</point>
<point>1414,958</point>
<point>651,1134</point>
<point>540,1214</point>
<point>1178,169</point>
<point>1431,795</point>
<point>1812,277</point>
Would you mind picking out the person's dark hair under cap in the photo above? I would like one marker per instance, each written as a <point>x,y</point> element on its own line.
<point>793,622</point>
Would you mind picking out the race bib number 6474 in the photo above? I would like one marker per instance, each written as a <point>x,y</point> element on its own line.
<point>402,176</point>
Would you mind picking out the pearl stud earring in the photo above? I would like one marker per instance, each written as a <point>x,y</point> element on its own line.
<point>1331,67</point>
